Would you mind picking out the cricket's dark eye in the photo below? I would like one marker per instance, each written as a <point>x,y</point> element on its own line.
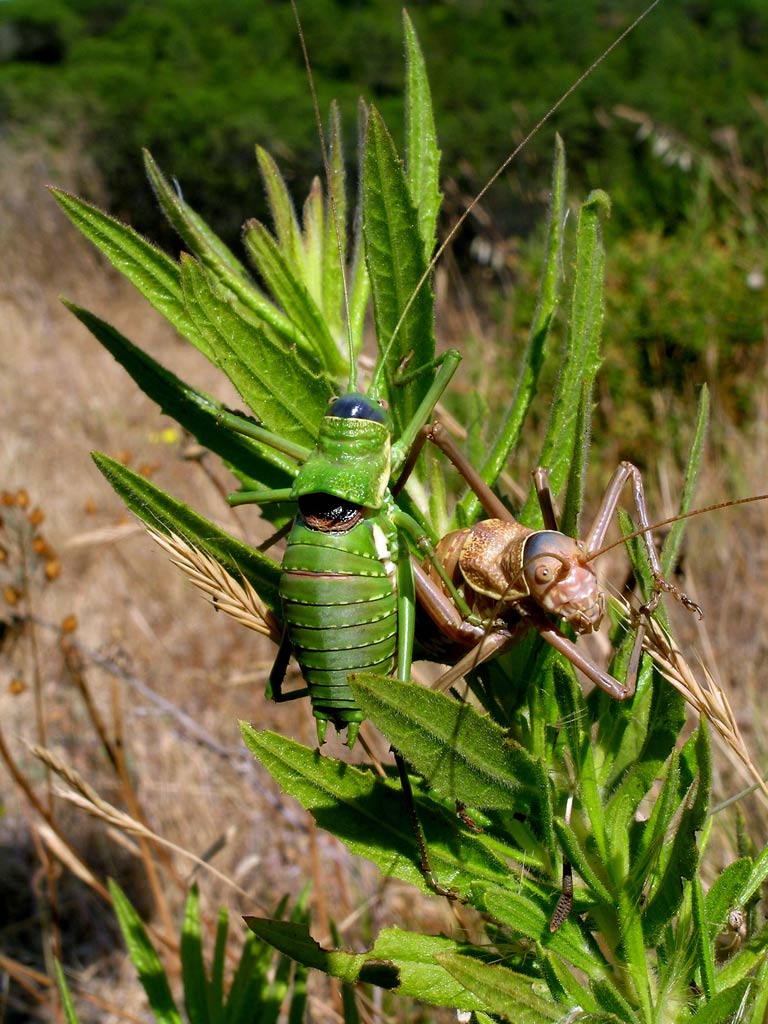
<point>356,406</point>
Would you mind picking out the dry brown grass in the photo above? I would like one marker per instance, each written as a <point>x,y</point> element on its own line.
<point>143,630</point>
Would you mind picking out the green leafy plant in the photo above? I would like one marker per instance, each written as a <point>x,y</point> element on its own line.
<point>262,987</point>
<point>548,775</point>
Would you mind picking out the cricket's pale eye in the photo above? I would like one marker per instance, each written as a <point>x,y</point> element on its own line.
<point>545,570</point>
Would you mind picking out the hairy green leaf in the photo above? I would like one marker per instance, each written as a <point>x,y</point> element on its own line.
<point>405,962</point>
<point>369,815</point>
<point>164,513</point>
<point>286,392</point>
<point>396,265</point>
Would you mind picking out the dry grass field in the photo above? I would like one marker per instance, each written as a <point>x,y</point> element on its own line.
<point>170,678</point>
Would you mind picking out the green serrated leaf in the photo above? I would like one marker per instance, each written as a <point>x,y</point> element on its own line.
<point>530,916</point>
<point>216,986</point>
<point>216,257</point>
<point>255,465</point>
<point>570,521</point>
<point>612,1002</point>
<point>515,997</point>
<point>144,958</point>
<point>155,274</point>
<point>162,512</point>
<point>724,893</point>
<point>674,538</point>
<point>462,754</point>
<point>360,282</point>
<point>746,961</point>
<point>313,220</point>
<point>192,229</point>
<point>394,253</point>
<point>421,151</point>
<point>401,961</point>
<point>284,217</point>
<point>723,1005</point>
<point>293,294</point>
<point>683,854</point>
<point>287,393</point>
<point>702,944</point>
<point>536,351</point>
<point>582,356</point>
<point>334,251</point>
<point>369,815</point>
<point>574,851</point>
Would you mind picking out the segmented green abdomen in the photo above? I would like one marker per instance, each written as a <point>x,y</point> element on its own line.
<point>340,612</point>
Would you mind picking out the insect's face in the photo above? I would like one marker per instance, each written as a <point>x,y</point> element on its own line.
<point>562,581</point>
<point>352,457</point>
<point>358,407</point>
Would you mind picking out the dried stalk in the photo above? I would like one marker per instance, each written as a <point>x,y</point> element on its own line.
<point>227,594</point>
<point>82,795</point>
<point>708,700</point>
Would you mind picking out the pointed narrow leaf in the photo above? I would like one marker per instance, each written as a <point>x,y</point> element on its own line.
<point>683,859</point>
<point>360,282</point>
<point>530,917</point>
<point>216,257</point>
<point>284,217</point>
<point>162,512</point>
<point>723,1005</point>
<point>292,292</point>
<point>285,392</point>
<point>702,944</point>
<point>574,851</point>
<point>460,753</point>
<point>192,229</point>
<point>216,986</point>
<point>516,997</point>
<point>395,255</point>
<point>724,893</point>
<point>582,356</point>
<point>612,1001</point>
<point>574,492</point>
<point>421,153</point>
<point>369,815</point>
<point>154,273</point>
<point>313,220</point>
<point>674,539</point>
<point>536,352</point>
<point>401,961</point>
<point>751,958</point>
<point>334,259</point>
<point>192,962</point>
<point>144,958</point>
<point>256,465</point>
<point>69,1007</point>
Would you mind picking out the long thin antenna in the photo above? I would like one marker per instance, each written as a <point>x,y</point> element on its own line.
<point>331,195</point>
<point>676,519</point>
<point>503,166</point>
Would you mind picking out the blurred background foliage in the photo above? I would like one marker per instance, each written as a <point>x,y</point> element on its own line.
<point>672,125</point>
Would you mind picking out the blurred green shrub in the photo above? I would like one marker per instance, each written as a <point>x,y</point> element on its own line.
<point>198,88</point>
